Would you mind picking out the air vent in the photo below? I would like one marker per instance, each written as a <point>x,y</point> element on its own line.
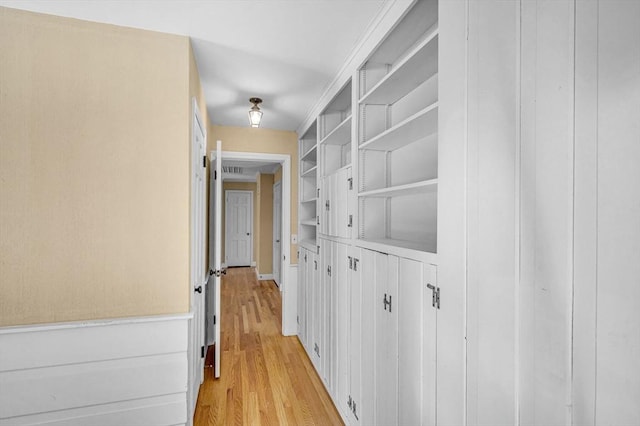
<point>232,170</point>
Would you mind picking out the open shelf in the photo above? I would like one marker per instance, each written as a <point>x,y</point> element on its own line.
<point>381,243</point>
<point>310,200</point>
<point>309,244</point>
<point>309,222</point>
<point>419,125</point>
<point>421,187</point>
<point>341,135</point>
<point>310,155</point>
<point>311,171</point>
<point>419,65</point>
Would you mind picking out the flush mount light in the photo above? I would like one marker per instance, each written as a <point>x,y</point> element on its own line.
<point>255,115</point>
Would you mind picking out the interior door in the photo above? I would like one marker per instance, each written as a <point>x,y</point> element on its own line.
<point>215,251</point>
<point>198,260</point>
<point>277,231</point>
<point>239,218</point>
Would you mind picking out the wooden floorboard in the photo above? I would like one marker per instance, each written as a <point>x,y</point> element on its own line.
<point>266,378</point>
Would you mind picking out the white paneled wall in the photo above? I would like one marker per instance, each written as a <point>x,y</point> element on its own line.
<point>552,211</point>
<point>125,371</point>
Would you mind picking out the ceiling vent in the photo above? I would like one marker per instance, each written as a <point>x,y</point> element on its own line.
<point>232,170</point>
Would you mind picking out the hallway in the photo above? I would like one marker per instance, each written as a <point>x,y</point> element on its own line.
<point>265,378</point>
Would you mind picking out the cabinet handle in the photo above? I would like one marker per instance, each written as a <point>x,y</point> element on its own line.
<point>435,296</point>
<point>355,264</point>
<point>386,302</point>
<point>350,262</point>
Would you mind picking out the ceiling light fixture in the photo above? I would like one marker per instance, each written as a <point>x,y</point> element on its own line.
<point>255,115</point>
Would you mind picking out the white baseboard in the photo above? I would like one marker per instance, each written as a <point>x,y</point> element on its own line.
<point>264,276</point>
<point>130,371</point>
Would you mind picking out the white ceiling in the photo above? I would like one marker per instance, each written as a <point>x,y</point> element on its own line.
<point>286,52</point>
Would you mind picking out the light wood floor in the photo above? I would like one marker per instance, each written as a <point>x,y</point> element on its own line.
<point>266,379</point>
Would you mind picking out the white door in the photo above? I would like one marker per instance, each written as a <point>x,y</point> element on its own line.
<point>239,218</point>
<point>277,231</point>
<point>215,183</point>
<point>217,258</point>
<point>198,262</point>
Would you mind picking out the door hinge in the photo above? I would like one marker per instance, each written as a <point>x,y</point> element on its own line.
<point>326,205</point>
<point>315,265</point>
<point>329,270</point>
<point>350,180</point>
<point>318,192</point>
<point>386,302</point>
<point>350,223</point>
<point>305,257</point>
<point>201,351</point>
<point>318,220</point>
<point>317,249</point>
<point>218,272</point>
<point>204,161</point>
<point>435,296</point>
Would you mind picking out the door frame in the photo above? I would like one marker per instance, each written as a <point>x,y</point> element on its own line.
<point>288,275</point>
<point>226,221</point>
<point>275,261</point>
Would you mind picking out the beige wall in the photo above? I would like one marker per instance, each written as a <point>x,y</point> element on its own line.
<point>264,232</point>
<point>94,170</point>
<point>277,176</point>
<point>247,139</point>
<point>240,186</point>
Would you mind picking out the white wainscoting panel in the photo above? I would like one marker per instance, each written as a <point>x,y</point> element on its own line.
<point>131,371</point>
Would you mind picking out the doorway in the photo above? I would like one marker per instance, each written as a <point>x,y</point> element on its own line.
<point>277,231</point>
<point>240,162</point>
<point>238,228</point>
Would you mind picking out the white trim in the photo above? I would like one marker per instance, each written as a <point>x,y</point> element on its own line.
<point>116,371</point>
<point>289,303</point>
<point>380,26</point>
<point>91,323</point>
<point>264,276</point>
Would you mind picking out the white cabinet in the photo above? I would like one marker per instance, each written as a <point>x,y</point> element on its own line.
<point>369,161</point>
<point>307,300</point>
<point>384,275</point>
<point>334,129</point>
<point>336,219</point>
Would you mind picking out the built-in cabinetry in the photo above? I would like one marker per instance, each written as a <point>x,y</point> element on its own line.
<point>308,188</point>
<point>368,294</point>
<point>398,135</point>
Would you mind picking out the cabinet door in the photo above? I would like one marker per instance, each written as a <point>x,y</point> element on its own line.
<point>386,344</point>
<point>416,344</point>
<point>342,202</point>
<point>315,323</point>
<point>326,310</point>
<point>356,367</point>
<point>343,323</point>
<point>302,297</point>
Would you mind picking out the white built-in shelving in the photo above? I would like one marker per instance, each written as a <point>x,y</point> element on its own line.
<point>398,135</point>
<point>308,187</point>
